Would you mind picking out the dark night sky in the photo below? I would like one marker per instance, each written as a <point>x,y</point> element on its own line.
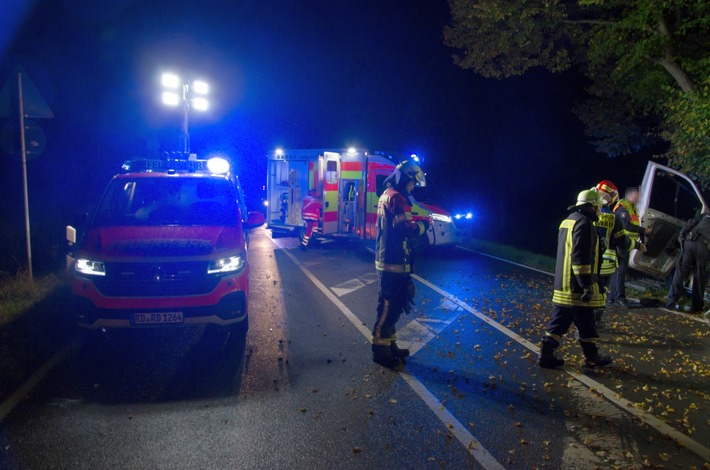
<point>317,73</point>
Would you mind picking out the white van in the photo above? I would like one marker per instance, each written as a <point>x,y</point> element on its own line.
<point>667,200</point>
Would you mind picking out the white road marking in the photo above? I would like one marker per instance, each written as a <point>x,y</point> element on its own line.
<point>610,395</point>
<point>11,402</point>
<point>469,442</point>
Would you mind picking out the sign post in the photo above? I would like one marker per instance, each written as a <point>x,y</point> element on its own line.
<point>30,105</point>
<point>23,149</point>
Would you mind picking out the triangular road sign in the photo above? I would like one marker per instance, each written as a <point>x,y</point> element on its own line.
<point>32,102</point>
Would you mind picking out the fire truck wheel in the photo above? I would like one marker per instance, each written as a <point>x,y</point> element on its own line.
<point>238,331</point>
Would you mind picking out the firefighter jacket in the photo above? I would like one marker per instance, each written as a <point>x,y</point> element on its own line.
<point>630,221</point>
<point>578,262</point>
<point>311,209</point>
<point>611,231</point>
<point>395,227</point>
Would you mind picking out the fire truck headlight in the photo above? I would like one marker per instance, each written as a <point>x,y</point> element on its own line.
<point>218,165</point>
<point>226,265</point>
<point>91,268</point>
<point>441,218</point>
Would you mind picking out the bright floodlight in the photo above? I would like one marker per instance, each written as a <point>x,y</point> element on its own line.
<point>279,151</point>
<point>200,104</point>
<point>198,86</point>
<point>170,98</point>
<point>218,165</point>
<point>352,150</point>
<point>170,80</point>
<point>414,157</point>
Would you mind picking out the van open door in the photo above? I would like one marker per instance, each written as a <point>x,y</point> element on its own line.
<point>667,200</point>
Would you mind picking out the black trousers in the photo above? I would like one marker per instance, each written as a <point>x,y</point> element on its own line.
<point>392,299</point>
<point>617,290</point>
<point>693,258</point>
<point>563,317</point>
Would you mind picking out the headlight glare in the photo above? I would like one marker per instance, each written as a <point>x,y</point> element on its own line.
<point>91,268</point>
<point>441,218</point>
<point>226,265</point>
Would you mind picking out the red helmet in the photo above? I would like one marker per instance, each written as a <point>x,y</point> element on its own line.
<point>609,188</point>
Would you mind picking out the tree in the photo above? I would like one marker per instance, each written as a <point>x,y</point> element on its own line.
<point>648,65</point>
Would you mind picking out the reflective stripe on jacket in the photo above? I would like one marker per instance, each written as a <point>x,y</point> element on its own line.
<point>394,228</point>
<point>630,220</point>
<point>610,229</point>
<point>578,262</point>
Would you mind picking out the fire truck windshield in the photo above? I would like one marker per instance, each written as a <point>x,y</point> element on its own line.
<point>168,201</point>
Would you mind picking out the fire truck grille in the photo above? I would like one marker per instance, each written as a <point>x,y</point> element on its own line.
<point>156,280</point>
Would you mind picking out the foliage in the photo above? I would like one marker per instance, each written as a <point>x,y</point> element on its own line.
<point>18,294</point>
<point>688,127</point>
<point>645,61</point>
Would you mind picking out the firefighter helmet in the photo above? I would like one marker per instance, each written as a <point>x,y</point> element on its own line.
<point>609,188</point>
<point>588,196</point>
<point>412,170</point>
<point>405,172</point>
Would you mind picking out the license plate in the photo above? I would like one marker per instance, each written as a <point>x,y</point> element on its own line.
<point>158,318</point>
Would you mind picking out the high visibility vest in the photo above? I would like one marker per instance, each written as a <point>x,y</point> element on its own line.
<point>633,219</point>
<point>605,227</point>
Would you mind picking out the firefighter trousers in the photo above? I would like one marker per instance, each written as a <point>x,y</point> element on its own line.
<point>392,299</point>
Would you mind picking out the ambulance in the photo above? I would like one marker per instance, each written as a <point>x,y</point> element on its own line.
<point>347,184</point>
<point>165,247</point>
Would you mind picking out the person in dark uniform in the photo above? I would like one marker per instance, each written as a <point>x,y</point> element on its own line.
<point>694,240</point>
<point>576,286</point>
<point>393,260</point>
<point>626,209</point>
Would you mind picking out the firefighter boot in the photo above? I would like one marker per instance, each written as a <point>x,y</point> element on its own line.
<point>399,352</point>
<point>547,357</point>
<point>592,356</point>
<point>383,356</point>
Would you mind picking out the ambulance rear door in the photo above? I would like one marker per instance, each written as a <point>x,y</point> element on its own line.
<point>331,194</point>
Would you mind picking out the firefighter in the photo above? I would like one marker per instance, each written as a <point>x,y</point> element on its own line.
<point>393,260</point>
<point>576,288</point>
<point>612,233</point>
<point>311,213</point>
<point>695,243</point>
<point>626,209</point>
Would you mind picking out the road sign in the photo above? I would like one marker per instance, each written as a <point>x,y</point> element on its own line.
<point>35,140</point>
<point>34,105</point>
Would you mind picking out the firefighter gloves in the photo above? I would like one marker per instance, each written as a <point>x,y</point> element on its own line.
<point>587,294</point>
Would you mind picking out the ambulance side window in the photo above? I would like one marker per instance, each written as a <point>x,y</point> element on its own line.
<point>380,182</point>
<point>331,172</point>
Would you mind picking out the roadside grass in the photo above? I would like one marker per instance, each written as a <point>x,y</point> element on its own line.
<point>516,255</point>
<point>18,294</point>
<point>651,296</point>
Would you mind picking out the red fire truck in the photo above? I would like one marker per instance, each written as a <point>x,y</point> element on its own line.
<point>165,246</point>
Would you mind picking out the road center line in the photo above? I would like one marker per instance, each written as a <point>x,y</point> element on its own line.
<point>458,430</point>
<point>9,404</point>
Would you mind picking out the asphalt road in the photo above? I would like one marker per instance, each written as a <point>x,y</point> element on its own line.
<point>301,391</point>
